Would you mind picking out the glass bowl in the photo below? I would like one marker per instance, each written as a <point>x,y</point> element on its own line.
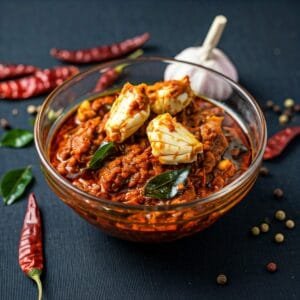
<point>140,222</point>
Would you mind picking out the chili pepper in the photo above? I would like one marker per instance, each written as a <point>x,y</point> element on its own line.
<point>31,247</point>
<point>278,142</point>
<point>101,53</point>
<point>8,71</point>
<point>112,74</point>
<point>41,82</point>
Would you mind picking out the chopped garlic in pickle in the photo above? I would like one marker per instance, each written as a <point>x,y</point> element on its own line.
<point>128,113</point>
<point>171,142</point>
<point>170,96</point>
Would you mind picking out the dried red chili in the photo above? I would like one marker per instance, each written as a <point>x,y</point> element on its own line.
<point>31,246</point>
<point>41,82</point>
<point>278,142</point>
<point>101,53</point>
<point>108,78</point>
<point>112,74</point>
<point>8,71</point>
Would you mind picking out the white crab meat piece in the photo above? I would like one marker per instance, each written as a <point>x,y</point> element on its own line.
<point>171,142</point>
<point>170,96</point>
<point>128,113</point>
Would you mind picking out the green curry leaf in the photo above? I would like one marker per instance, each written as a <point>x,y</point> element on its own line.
<point>165,185</point>
<point>104,150</point>
<point>14,183</point>
<point>16,138</point>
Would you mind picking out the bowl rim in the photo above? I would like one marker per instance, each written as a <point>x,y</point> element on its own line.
<point>255,162</point>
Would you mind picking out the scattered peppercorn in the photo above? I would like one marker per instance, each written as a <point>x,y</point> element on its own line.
<point>264,227</point>
<point>264,171</point>
<point>14,112</point>
<point>278,193</point>
<point>270,104</point>
<point>297,108</point>
<point>255,230</point>
<point>280,215</point>
<point>288,112</point>
<point>283,119</point>
<point>271,267</point>
<point>276,108</point>
<point>290,224</point>
<point>289,103</point>
<point>31,109</point>
<point>4,124</point>
<point>221,279</point>
<point>279,238</point>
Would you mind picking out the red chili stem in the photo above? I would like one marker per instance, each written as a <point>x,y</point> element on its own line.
<point>31,247</point>
<point>112,74</point>
<point>43,81</point>
<point>279,141</point>
<point>8,71</point>
<point>101,53</point>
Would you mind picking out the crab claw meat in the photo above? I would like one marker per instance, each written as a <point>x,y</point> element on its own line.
<point>170,96</point>
<point>171,142</point>
<point>128,113</point>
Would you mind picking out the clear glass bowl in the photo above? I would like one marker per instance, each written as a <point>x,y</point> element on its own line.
<point>148,223</point>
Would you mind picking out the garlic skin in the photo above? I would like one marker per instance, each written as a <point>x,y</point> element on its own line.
<point>202,82</point>
<point>171,142</point>
<point>170,96</point>
<point>128,113</point>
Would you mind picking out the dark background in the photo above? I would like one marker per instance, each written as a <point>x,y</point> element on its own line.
<point>263,39</point>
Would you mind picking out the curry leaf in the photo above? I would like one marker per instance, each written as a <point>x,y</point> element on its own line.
<point>14,183</point>
<point>104,150</point>
<point>16,138</point>
<point>165,185</point>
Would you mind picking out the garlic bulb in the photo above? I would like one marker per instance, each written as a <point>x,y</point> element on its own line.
<point>170,96</point>
<point>171,142</point>
<point>128,113</point>
<point>203,82</point>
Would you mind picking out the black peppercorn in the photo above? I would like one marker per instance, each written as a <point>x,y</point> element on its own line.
<point>4,124</point>
<point>221,279</point>
<point>264,171</point>
<point>278,193</point>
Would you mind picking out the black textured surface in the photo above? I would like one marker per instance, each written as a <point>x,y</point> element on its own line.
<point>263,39</point>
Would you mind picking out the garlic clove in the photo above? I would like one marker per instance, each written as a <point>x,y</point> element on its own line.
<point>128,113</point>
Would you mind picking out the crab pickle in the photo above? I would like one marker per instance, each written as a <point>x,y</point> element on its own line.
<point>171,142</point>
<point>128,113</point>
